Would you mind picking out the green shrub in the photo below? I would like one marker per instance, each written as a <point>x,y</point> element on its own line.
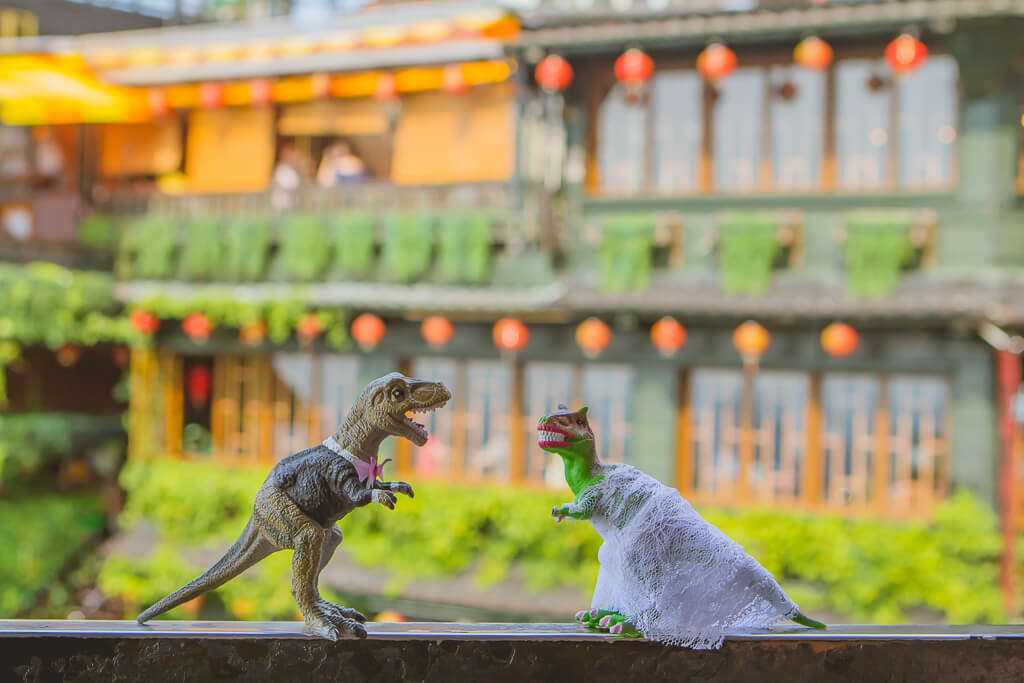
<point>465,248</point>
<point>866,569</point>
<point>202,254</point>
<point>150,248</point>
<point>627,250</point>
<point>408,247</point>
<point>29,441</point>
<point>748,248</point>
<point>97,231</point>
<point>304,248</point>
<point>40,535</point>
<point>354,236</point>
<point>247,245</point>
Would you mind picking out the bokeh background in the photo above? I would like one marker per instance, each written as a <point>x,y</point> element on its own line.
<point>776,246</point>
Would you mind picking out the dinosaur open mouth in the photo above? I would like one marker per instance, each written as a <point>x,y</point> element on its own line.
<point>419,428</point>
<point>550,436</point>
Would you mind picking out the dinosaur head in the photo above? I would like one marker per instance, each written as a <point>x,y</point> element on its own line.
<point>385,401</point>
<point>566,433</point>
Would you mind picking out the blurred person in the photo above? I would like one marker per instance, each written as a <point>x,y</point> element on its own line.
<point>340,166</point>
<point>288,176</point>
<point>49,159</point>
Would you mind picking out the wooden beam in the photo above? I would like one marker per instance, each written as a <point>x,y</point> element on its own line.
<point>813,471</point>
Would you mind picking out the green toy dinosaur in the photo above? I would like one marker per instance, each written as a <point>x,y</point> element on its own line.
<point>666,573</point>
<point>308,492</point>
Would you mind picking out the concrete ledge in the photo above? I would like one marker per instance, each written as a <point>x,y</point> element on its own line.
<point>282,651</point>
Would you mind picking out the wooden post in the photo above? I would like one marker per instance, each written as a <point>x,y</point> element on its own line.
<point>403,447</point>
<point>745,492</point>
<point>684,440</point>
<point>515,424</point>
<point>881,462</point>
<point>1009,378</point>
<point>813,470</point>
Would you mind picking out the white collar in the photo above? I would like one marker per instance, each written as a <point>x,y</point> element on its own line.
<point>334,446</point>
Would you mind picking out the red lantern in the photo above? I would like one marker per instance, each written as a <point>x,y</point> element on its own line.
<point>253,333</point>
<point>905,53</point>
<point>158,105</point>
<point>145,322</point>
<point>716,62</point>
<point>839,339</point>
<point>68,355</point>
<point>593,336</point>
<point>511,335</point>
<point>199,382</point>
<point>261,91</point>
<point>437,330</point>
<point>634,68</point>
<point>553,74</point>
<point>668,336</point>
<point>197,326</point>
<point>211,95</point>
<point>387,88</point>
<point>309,327</point>
<point>453,82</point>
<point>751,340</point>
<point>320,84</point>
<point>813,53</point>
<point>368,330</point>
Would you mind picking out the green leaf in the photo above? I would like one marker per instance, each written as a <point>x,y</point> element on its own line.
<point>305,250</point>
<point>152,243</point>
<point>877,248</point>
<point>354,237</point>
<point>465,248</point>
<point>201,253</point>
<point>247,245</point>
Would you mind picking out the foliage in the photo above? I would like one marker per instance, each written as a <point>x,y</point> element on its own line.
<point>749,247</point>
<point>225,311</point>
<point>626,252</point>
<point>97,231</point>
<point>877,248</point>
<point>40,534</point>
<point>246,246</point>
<point>407,248</point>
<point>863,568</point>
<point>43,303</point>
<point>148,248</point>
<point>304,249</point>
<point>29,441</point>
<point>465,248</point>
<point>354,236</point>
<point>201,252</point>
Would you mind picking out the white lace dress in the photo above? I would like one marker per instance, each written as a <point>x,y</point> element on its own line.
<point>674,576</point>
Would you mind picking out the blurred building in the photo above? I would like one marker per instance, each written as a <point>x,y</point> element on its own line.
<point>510,199</point>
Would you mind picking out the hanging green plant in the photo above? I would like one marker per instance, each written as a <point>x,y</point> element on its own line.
<point>465,248</point>
<point>748,247</point>
<point>43,303</point>
<point>877,248</point>
<point>626,252</point>
<point>247,244</point>
<point>304,248</point>
<point>354,237</point>
<point>202,253</point>
<point>150,247</point>
<point>407,249</point>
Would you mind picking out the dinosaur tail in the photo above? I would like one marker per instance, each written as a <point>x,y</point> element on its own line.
<point>249,549</point>
<point>805,620</point>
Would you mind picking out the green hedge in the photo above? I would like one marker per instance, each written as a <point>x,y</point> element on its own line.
<point>868,570</point>
<point>40,535</point>
<point>29,441</point>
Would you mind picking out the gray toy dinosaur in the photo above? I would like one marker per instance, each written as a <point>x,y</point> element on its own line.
<point>308,492</point>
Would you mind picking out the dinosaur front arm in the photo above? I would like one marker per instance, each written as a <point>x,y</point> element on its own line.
<point>582,508</point>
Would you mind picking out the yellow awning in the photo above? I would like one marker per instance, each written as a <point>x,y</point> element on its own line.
<point>49,89</point>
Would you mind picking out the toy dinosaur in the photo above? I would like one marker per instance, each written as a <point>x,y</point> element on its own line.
<point>665,572</point>
<point>308,492</point>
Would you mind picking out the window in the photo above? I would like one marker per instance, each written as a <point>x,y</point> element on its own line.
<point>896,131</point>
<point>777,458</point>
<point>770,127</point>
<point>435,457</point>
<point>488,446</point>
<point>546,385</point>
<point>606,391</point>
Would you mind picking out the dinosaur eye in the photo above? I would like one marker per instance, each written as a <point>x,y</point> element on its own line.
<point>396,393</point>
<point>579,421</point>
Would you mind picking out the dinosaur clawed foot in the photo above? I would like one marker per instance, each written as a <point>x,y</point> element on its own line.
<point>332,621</point>
<point>606,620</point>
<point>338,613</point>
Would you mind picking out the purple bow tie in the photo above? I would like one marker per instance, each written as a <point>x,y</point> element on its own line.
<point>369,471</point>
